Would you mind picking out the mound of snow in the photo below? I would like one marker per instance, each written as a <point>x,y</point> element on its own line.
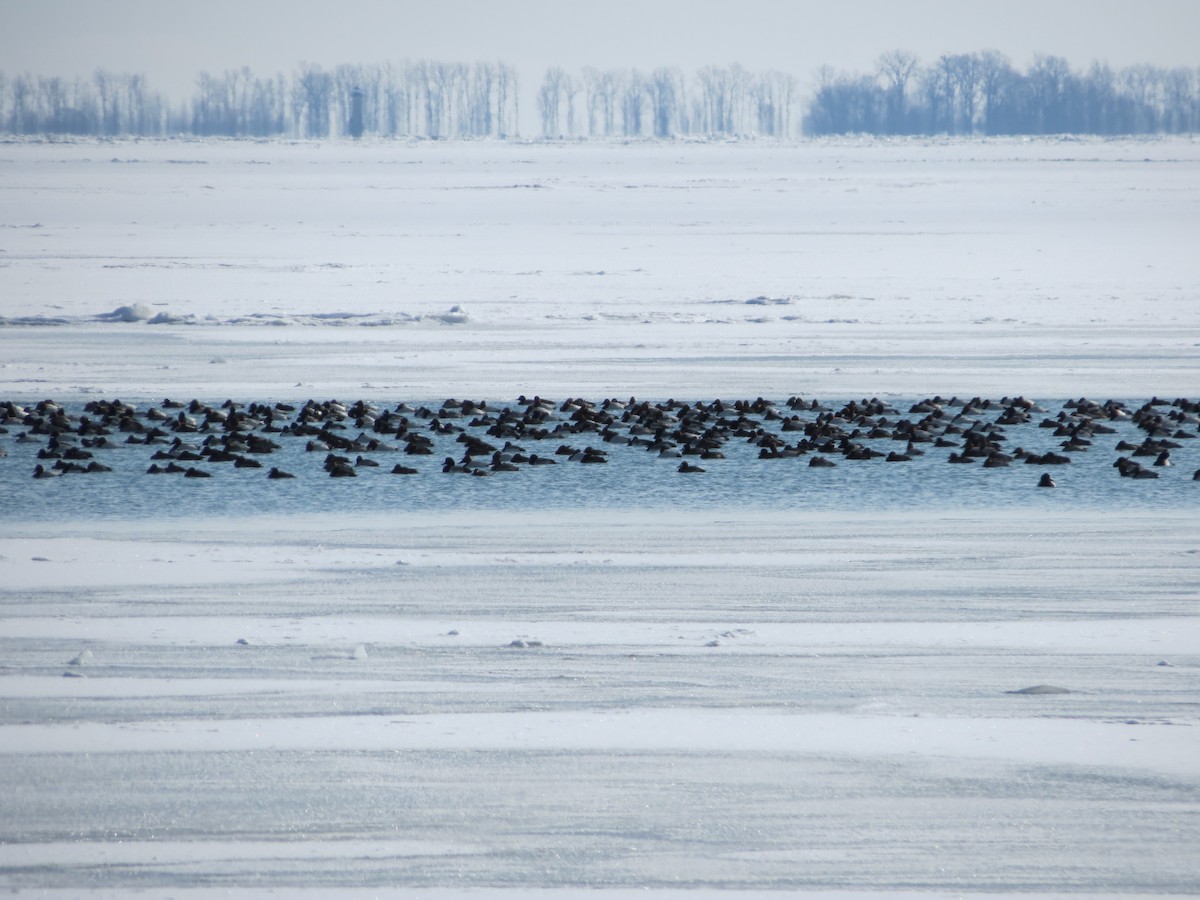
<point>1041,689</point>
<point>34,320</point>
<point>166,318</point>
<point>455,315</point>
<point>137,312</point>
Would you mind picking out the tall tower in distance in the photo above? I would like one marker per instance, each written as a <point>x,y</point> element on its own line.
<point>356,113</point>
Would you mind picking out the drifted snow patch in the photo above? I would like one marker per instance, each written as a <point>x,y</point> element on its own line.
<point>1041,689</point>
<point>166,318</point>
<point>455,315</point>
<point>522,644</point>
<point>137,312</point>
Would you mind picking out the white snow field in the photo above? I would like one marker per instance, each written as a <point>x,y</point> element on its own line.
<point>613,701</point>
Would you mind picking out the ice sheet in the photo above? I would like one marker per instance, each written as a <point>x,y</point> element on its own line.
<point>1000,266</point>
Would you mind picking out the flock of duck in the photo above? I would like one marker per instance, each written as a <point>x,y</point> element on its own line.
<point>194,439</point>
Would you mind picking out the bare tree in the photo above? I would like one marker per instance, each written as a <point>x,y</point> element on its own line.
<point>506,95</point>
<point>1141,85</point>
<point>774,96</point>
<point>311,96</point>
<point>995,75</point>
<point>717,99</point>
<point>24,109</point>
<point>966,70</point>
<point>570,91</point>
<point>846,104</point>
<point>1179,89</point>
<point>1047,84</point>
<point>110,118</point>
<point>896,68</point>
<point>633,104</point>
<point>601,91</point>
<point>549,100</point>
<point>1100,113</point>
<point>591,99</point>
<point>483,84</point>
<point>665,90</point>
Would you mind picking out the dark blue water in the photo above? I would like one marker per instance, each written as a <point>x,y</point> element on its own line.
<point>632,479</point>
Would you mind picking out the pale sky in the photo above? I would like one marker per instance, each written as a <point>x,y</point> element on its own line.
<point>171,41</point>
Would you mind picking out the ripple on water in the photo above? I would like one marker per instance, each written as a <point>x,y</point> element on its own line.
<point>633,477</point>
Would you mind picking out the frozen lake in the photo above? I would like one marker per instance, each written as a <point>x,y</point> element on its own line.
<point>843,269</point>
<point>743,681</point>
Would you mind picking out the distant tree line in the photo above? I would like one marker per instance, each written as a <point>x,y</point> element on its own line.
<point>422,99</point>
<point>106,103</point>
<point>972,93</point>
<point>982,93</point>
<point>718,100</point>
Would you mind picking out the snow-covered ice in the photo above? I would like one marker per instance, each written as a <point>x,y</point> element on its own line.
<point>1006,266</point>
<point>630,701</point>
